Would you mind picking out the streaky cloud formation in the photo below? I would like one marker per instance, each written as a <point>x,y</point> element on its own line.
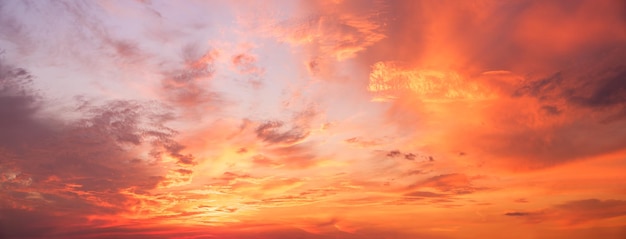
<point>313,119</point>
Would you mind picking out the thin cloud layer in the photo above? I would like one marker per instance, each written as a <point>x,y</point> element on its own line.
<point>575,213</point>
<point>184,87</point>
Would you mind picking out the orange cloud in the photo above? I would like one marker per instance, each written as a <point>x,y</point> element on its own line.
<point>575,213</point>
<point>515,99</point>
<point>328,31</point>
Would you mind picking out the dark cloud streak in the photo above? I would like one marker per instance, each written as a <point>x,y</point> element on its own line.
<point>270,132</point>
<point>517,214</point>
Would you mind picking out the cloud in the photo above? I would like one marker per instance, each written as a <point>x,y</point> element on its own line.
<point>245,63</point>
<point>12,30</point>
<point>264,161</point>
<point>126,52</point>
<point>364,143</point>
<point>393,153</point>
<point>185,87</point>
<point>454,183</point>
<point>77,167</point>
<point>269,132</point>
<point>575,213</point>
<point>336,29</point>
<point>328,32</point>
<point>97,44</point>
<point>493,32</point>
<point>598,85</point>
<point>295,156</point>
<point>517,214</point>
<point>19,105</point>
<point>389,80</point>
<point>410,156</point>
<point>407,156</point>
<point>579,211</point>
<point>425,194</point>
<point>230,176</point>
<point>412,96</point>
<point>558,103</point>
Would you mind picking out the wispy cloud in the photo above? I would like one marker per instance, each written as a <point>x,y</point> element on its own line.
<point>574,213</point>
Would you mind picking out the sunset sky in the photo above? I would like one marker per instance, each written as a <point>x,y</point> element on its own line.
<point>342,119</point>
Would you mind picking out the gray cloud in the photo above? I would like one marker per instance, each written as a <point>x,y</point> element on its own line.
<point>425,194</point>
<point>602,86</point>
<point>271,132</point>
<point>517,214</point>
<point>51,166</point>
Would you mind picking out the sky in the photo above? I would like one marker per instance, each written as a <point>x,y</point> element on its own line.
<point>343,119</point>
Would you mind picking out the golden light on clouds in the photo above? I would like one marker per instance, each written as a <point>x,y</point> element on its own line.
<point>388,79</point>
